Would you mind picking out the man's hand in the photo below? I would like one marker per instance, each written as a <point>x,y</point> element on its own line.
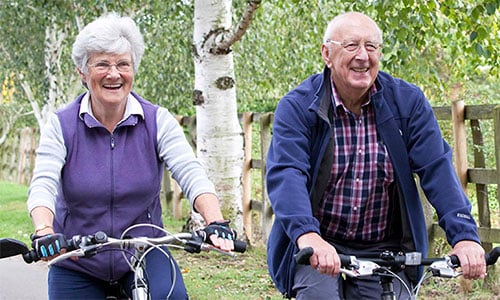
<point>472,261</point>
<point>325,258</point>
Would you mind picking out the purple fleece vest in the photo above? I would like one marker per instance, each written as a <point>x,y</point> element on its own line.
<point>109,182</point>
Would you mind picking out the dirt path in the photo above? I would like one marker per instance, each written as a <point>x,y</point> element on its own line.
<point>22,281</point>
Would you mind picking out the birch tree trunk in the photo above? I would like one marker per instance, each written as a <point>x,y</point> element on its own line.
<point>219,134</point>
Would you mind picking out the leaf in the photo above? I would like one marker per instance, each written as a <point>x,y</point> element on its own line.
<point>479,49</point>
<point>473,36</point>
<point>491,7</point>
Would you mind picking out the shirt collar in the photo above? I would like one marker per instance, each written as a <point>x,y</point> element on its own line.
<point>133,107</point>
<point>337,101</point>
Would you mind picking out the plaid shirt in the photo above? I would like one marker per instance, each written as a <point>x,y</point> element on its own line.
<point>355,205</point>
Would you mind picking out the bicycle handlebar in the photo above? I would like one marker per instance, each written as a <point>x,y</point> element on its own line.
<point>86,246</point>
<point>387,265</point>
<point>412,258</point>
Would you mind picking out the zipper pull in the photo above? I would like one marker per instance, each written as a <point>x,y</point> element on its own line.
<point>112,142</point>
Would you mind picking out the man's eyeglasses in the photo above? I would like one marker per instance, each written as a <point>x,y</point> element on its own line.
<point>102,67</point>
<point>353,47</point>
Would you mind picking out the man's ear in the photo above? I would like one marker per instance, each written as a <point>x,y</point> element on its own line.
<point>325,53</point>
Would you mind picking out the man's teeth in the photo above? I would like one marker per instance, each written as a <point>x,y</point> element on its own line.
<point>112,86</point>
<point>360,69</point>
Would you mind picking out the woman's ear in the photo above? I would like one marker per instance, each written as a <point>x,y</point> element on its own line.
<point>83,78</point>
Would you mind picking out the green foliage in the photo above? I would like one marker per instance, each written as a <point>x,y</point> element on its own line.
<point>434,44</point>
<point>167,72</point>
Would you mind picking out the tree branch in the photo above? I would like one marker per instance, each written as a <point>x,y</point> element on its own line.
<point>223,47</point>
<point>34,105</point>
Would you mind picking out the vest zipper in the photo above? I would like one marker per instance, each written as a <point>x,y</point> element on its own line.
<point>111,208</point>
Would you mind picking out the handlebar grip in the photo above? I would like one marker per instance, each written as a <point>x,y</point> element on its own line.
<point>492,256</point>
<point>454,260</point>
<point>302,257</point>
<point>240,246</point>
<point>31,256</point>
<point>345,260</point>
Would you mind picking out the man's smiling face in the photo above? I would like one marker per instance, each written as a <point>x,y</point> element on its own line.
<point>353,71</point>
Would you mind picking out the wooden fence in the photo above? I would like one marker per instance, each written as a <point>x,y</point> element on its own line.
<point>17,156</point>
<point>467,122</point>
<point>461,118</point>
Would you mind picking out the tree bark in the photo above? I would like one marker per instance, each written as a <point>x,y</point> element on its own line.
<point>219,133</point>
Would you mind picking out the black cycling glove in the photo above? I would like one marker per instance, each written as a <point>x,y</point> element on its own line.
<point>48,245</point>
<point>220,229</point>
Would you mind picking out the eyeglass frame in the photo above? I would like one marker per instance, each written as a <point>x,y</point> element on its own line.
<point>108,66</point>
<point>345,44</point>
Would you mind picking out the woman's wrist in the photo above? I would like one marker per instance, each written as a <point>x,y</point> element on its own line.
<point>43,229</point>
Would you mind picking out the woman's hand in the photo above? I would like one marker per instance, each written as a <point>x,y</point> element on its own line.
<point>49,246</point>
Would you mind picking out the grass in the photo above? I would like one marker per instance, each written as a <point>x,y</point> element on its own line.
<point>214,276</point>
<point>16,222</point>
<point>244,277</point>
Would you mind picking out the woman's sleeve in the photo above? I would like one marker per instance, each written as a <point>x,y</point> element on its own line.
<point>50,159</point>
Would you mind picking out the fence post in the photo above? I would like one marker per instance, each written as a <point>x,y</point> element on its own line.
<point>246,178</point>
<point>496,125</point>
<point>460,141</point>
<point>265,137</point>
<point>483,208</point>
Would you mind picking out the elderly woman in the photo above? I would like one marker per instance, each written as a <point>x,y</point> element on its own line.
<point>99,167</point>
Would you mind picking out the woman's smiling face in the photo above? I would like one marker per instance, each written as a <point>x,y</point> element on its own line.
<point>109,78</point>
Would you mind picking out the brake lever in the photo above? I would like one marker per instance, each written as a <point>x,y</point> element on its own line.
<point>208,247</point>
<point>444,268</point>
<point>61,257</point>
<point>360,268</point>
<point>83,251</point>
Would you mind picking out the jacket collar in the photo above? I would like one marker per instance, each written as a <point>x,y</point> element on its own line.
<point>322,97</point>
<point>322,102</point>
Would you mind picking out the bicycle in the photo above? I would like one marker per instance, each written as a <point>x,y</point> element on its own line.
<point>89,245</point>
<point>387,264</point>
